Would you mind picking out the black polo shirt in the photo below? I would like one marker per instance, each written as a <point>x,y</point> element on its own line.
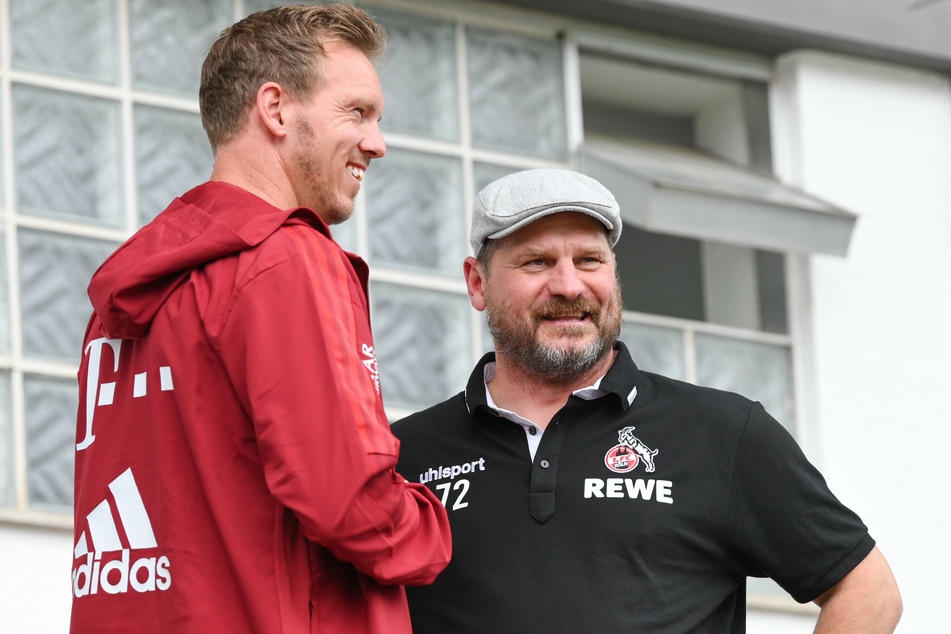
<point>637,516</point>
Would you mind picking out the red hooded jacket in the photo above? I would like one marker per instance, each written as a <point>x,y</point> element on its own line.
<point>234,467</point>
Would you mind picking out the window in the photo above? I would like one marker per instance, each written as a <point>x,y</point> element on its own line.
<point>703,310</point>
<point>490,102</point>
<point>100,131</point>
<point>710,313</point>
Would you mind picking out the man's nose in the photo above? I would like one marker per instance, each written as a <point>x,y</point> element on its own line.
<point>564,280</point>
<point>373,144</point>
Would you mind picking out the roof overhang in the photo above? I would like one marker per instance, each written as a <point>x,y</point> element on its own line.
<point>687,193</point>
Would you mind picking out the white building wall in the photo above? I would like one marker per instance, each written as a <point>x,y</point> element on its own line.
<point>35,595</point>
<point>876,139</point>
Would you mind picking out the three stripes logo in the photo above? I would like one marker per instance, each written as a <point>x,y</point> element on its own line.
<point>105,566</point>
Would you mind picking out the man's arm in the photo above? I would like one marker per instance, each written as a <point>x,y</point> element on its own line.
<point>865,601</point>
<point>296,345</point>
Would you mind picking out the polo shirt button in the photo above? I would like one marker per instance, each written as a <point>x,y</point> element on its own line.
<point>532,431</point>
<point>544,464</point>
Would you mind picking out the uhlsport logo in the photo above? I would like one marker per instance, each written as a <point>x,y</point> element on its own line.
<point>106,567</point>
<point>626,455</point>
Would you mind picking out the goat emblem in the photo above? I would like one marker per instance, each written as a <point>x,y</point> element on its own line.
<point>625,456</point>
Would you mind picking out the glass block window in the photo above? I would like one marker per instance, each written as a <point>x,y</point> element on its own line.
<point>104,131</point>
<point>465,104</point>
<point>7,473</point>
<point>516,94</point>
<point>485,173</point>
<point>428,352</point>
<point>172,155</point>
<point>68,38</point>
<point>54,272</point>
<point>426,103</point>
<point>68,155</point>
<point>49,443</point>
<point>417,216</point>
<point>169,40</point>
<point>6,346</point>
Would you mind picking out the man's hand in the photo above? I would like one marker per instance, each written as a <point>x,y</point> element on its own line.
<point>866,601</point>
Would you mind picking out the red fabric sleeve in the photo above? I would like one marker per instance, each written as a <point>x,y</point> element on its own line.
<point>293,344</point>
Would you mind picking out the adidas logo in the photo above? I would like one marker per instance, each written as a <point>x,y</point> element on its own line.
<point>106,567</point>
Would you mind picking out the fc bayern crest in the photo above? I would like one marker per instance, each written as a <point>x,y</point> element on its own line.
<point>625,456</point>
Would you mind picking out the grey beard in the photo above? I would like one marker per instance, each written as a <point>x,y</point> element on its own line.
<point>555,364</point>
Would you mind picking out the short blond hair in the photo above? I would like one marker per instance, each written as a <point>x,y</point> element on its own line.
<point>284,45</point>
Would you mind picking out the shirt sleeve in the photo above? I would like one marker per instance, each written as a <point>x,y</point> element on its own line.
<point>785,523</point>
<point>296,344</point>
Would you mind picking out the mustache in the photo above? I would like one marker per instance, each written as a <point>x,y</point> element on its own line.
<point>562,307</point>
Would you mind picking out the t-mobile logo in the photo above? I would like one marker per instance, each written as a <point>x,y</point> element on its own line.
<point>100,394</point>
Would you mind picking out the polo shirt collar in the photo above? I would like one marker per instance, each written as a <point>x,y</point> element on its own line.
<point>620,380</point>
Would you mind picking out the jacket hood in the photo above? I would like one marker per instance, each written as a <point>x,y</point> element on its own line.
<point>210,222</point>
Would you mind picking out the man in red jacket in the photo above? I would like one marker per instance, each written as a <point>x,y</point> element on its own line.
<point>234,466</point>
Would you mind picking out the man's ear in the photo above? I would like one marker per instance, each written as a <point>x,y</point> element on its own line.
<point>271,107</point>
<point>475,282</point>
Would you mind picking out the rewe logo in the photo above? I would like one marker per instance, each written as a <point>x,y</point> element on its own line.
<point>107,567</point>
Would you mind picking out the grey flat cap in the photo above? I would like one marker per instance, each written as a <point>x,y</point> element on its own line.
<point>513,201</point>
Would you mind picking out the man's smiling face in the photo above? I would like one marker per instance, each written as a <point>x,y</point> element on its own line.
<point>336,133</point>
<point>552,297</point>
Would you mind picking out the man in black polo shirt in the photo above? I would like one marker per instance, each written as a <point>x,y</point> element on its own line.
<point>588,496</point>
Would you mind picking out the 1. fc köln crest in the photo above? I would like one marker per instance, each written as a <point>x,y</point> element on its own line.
<point>623,457</point>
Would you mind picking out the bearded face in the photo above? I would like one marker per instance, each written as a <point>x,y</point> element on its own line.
<point>335,134</point>
<point>560,339</point>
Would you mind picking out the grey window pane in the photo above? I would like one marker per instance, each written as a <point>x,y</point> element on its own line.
<point>423,344</point>
<point>419,76</point>
<point>416,212</point>
<point>486,173</point>
<point>345,234</point>
<point>253,6</point>
<point>54,273</point>
<point>169,40</point>
<point>67,155</point>
<point>7,483</point>
<point>65,37</point>
<point>656,349</point>
<point>516,93</point>
<point>5,347</point>
<point>51,406</point>
<point>771,286</point>
<point>172,155</point>
<point>661,274</point>
<point>762,372</point>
